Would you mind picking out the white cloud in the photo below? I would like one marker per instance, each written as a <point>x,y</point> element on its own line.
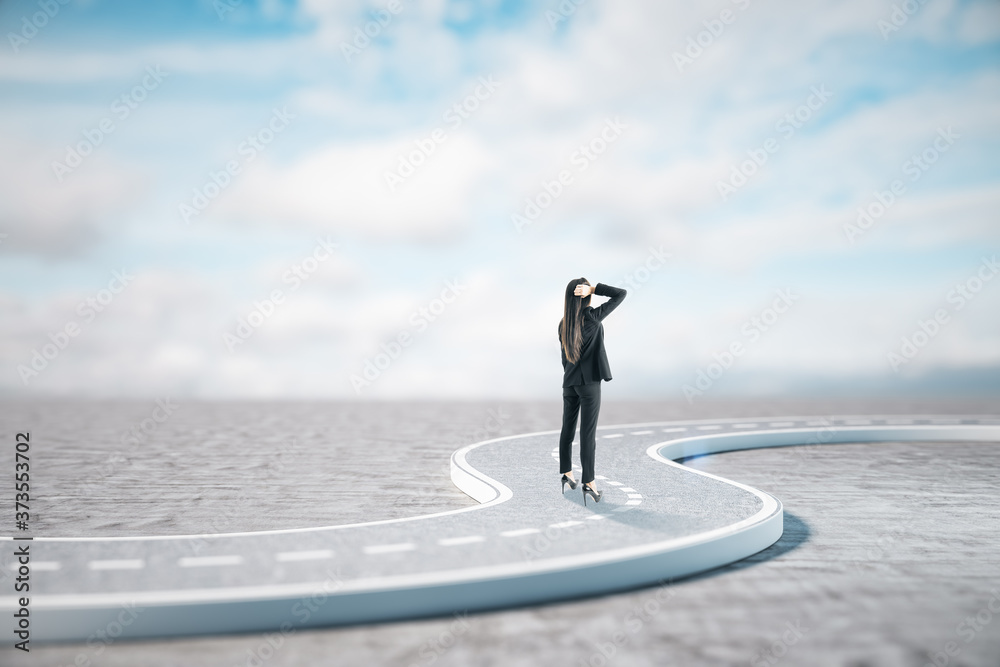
<point>43,216</point>
<point>344,188</point>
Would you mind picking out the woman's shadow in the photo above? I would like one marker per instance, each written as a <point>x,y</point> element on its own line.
<point>795,533</point>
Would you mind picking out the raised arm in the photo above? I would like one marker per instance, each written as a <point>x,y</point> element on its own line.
<point>617,295</point>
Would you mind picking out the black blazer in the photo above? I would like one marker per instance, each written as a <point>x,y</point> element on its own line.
<point>592,366</point>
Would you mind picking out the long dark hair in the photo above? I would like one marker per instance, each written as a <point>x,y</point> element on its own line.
<point>571,325</point>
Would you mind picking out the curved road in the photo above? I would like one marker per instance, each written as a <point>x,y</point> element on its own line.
<point>525,543</point>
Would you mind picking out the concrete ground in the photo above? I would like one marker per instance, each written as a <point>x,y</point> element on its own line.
<point>889,555</point>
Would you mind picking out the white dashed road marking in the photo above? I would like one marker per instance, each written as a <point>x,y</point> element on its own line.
<point>455,541</point>
<point>519,532</point>
<point>123,564</point>
<point>389,548</point>
<point>210,561</point>
<point>40,565</point>
<point>290,556</point>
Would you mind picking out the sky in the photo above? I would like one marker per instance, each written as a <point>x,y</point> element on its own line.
<point>385,200</point>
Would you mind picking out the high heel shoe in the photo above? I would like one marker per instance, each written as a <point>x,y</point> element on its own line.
<point>568,480</point>
<point>594,493</point>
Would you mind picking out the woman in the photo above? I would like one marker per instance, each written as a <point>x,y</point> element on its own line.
<point>585,364</point>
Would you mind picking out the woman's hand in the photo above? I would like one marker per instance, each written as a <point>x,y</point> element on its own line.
<point>583,290</point>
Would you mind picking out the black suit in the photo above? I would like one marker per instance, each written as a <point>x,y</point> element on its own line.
<point>592,366</point>
<point>582,383</point>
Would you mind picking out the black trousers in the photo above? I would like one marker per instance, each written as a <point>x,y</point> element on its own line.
<point>584,398</point>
